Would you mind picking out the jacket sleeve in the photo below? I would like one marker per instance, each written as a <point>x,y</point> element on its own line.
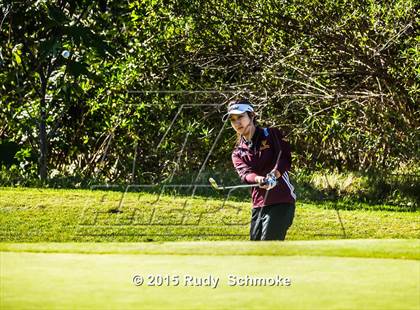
<point>284,163</point>
<point>245,172</point>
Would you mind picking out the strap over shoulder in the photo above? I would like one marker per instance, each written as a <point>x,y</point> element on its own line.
<point>266,132</point>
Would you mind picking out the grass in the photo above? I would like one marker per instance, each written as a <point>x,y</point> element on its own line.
<point>363,248</point>
<point>55,254</point>
<point>370,274</point>
<point>50,215</point>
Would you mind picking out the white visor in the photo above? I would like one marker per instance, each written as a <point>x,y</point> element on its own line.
<point>238,109</point>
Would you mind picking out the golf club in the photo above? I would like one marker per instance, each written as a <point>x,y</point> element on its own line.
<point>214,184</point>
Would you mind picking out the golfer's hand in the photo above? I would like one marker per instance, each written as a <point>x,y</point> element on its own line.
<point>261,181</point>
<point>276,173</point>
<point>270,180</point>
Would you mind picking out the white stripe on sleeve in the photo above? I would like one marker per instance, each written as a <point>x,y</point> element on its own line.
<point>285,177</point>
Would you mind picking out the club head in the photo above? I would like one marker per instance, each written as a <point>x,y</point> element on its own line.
<point>213,183</point>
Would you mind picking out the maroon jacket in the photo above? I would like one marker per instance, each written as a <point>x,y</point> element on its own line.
<point>260,159</point>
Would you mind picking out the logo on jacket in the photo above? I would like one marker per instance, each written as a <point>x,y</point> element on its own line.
<point>264,145</point>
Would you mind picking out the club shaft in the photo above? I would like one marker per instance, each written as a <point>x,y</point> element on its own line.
<point>238,186</point>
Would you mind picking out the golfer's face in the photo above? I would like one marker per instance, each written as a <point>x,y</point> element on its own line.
<point>240,122</point>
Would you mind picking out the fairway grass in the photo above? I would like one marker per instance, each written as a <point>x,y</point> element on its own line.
<point>48,215</point>
<point>59,276</point>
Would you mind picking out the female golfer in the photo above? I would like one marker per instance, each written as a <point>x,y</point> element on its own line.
<point>262,156</point>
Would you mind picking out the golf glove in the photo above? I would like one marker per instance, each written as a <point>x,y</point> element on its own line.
<point>270,181</point>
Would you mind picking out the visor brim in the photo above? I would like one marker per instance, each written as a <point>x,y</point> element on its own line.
<point>234,112</point>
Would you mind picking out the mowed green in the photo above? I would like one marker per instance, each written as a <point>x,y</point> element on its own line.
<point>324,274</point>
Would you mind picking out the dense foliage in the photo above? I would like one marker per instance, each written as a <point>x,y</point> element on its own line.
<point>141,96</point>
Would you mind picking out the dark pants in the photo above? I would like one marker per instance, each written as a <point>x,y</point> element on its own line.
<point>272,222</point>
